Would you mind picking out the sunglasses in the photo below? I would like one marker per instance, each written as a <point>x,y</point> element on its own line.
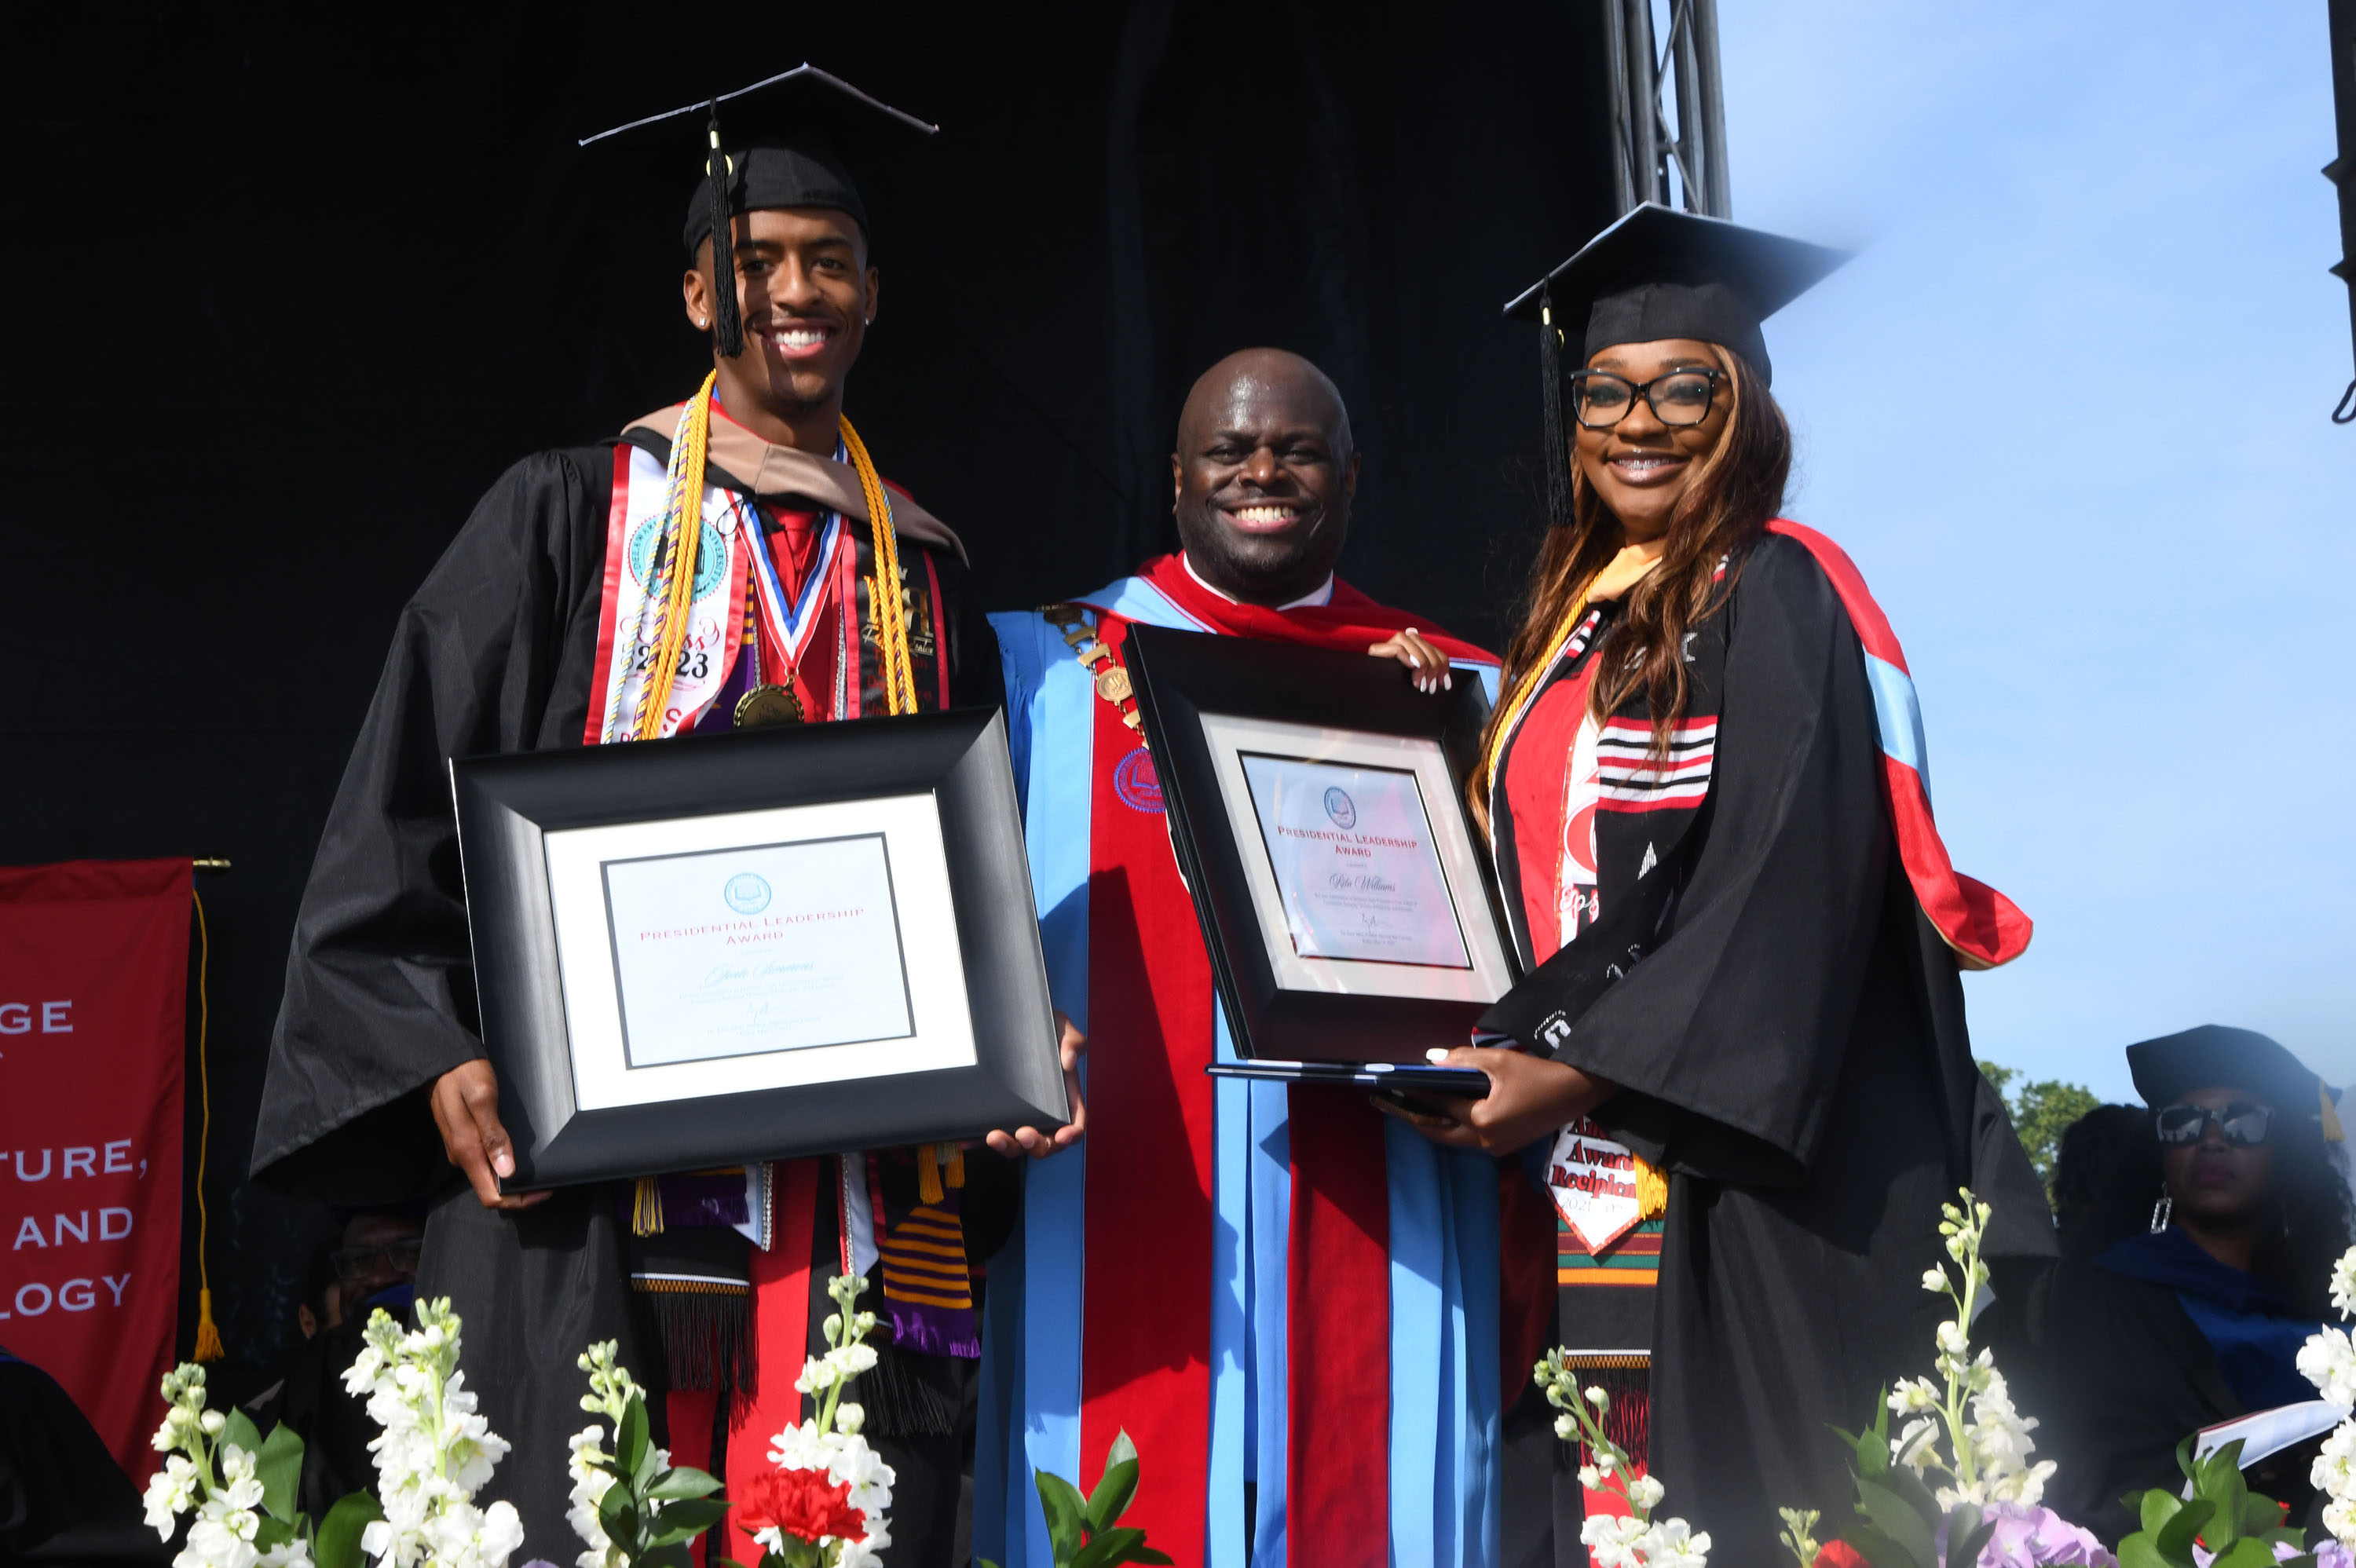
<point>2242,1126</point>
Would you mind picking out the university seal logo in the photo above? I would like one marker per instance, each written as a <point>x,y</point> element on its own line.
<point>1340,808</point>
<point>710,556</point>
<point>747,893</point>
<point>1134,780</point>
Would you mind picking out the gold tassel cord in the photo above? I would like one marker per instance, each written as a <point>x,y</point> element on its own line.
<point>928,1174</point>
<point>883,588</point>
<point>646,1208</point>
<point>683,542</point>
<point>208,1341</point>
<point>1652,1189</point>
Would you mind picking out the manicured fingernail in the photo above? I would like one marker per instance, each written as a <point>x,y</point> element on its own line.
<point>504,1162</point>
<point>1448,683</point>
<point>1435,1054</point>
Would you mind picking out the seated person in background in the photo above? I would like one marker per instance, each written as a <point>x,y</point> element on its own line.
<point>2197,1315</point>
<point>375,1266</point>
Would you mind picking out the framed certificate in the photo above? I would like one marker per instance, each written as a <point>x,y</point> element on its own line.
<point>785,941</point>
<point>1316,806</point>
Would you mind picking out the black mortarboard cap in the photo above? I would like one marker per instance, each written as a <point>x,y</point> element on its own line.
<point>785,140</point>
<point>1659,272</point>
<point>1655,274</point>
<point>2215,1056</point>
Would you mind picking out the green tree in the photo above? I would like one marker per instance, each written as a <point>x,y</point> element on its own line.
<point>2042,1110</point>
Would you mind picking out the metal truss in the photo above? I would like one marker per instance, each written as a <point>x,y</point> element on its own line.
<point>2342,170</point>
<point>1642,76</point>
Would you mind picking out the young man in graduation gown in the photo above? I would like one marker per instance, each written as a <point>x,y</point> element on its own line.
<point>1289,1304</point>
<point>726,561</point>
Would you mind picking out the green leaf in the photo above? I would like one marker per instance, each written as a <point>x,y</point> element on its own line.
<point>1147,1554</point>
<point>1967,1531</point>
<point>270,1532</point>
<point>1877,1548</point>
<point>2139,1551</point>
<point>688,1516</point>
<point>1059,1500</point>
<point>1121,1449</point>
<point>1916,1494</point>
<point>279,1468</point>
<point>682,1482</point>
<point>668,1555</point>
<point>2156,1508</point>
<point>337,1544</point>
<point>630,1443</point>
<point>1894,1516</point>
<point>240,1430</point>
<point>2246,1553</point>
<point>1110,1548</point>
<point>1873,1454</point>
<point>617,1512</point>
<point>2174,1538</point>
<point>2219,1481</point>
<point>1111,1497</point>
<point>2184,1459</point>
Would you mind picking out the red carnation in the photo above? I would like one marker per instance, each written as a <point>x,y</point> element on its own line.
<point>801,1503</point>
<point>1840,1554</point>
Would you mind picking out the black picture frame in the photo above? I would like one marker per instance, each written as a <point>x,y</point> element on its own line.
<point>1181,676</point>
<point>507,807</point>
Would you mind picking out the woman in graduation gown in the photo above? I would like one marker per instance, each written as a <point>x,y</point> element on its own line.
<point>1704,801</point>
<point>2188,1306</point>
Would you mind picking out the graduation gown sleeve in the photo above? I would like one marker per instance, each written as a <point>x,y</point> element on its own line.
<point>492,655</point>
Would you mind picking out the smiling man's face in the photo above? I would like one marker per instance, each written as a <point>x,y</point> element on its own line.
<point>1264,473</point>
<point>806,293</point>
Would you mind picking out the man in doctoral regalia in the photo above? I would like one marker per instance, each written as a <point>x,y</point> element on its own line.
<point>1156,1282</point>
<point>805,591</point>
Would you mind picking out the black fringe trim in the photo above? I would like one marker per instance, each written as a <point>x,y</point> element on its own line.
<point>910,1395</point>
<point>706,1337</point>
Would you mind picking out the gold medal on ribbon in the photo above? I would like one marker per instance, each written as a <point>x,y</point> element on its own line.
<point>1112,684</point>
<point>768,704</point>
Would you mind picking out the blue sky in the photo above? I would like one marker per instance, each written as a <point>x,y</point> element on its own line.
<point>2069,411</point>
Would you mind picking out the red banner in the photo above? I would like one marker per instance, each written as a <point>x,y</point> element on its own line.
<point>93,1025</point>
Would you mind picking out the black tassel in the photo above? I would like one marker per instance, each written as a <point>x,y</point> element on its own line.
<point>727,326</point>
<point>1558,439</point>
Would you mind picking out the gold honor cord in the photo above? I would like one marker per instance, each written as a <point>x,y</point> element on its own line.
<point>883,588</point>
<point>1526,687</point>
<point>675,580</point>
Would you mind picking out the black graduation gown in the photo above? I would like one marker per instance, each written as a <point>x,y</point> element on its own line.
<point>1788,1029</point>
<point>496,654</point>
<point>63,1499</point>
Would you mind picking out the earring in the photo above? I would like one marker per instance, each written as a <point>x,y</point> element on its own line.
<point>2161,1213</point>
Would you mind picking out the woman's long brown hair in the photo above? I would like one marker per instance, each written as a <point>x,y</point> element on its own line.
<point>1735,490</point>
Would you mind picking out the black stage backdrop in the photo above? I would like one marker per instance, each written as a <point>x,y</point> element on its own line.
<point>285,290</point>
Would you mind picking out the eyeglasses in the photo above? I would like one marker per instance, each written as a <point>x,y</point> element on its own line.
<point>1600,400</point>
<point>2243,1126</point>
<point>354,1264</point>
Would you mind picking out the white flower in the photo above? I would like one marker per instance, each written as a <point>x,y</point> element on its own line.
<point>170,1492</point>
<point>849,1418</point>
<point>1590,1477</point>
<point>1566,1427</point>
<point>1913,1396</point>
<point>2343,1284</point>
<point>1670,1544</point>
<point>1598,1398</point>
<point>1645,1493</point>
<point>2334,1474</point>
<point>2328,1360</point>
<point>1611,1540</point>
<point>1935,1280</point>
<point>296,1553</point>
